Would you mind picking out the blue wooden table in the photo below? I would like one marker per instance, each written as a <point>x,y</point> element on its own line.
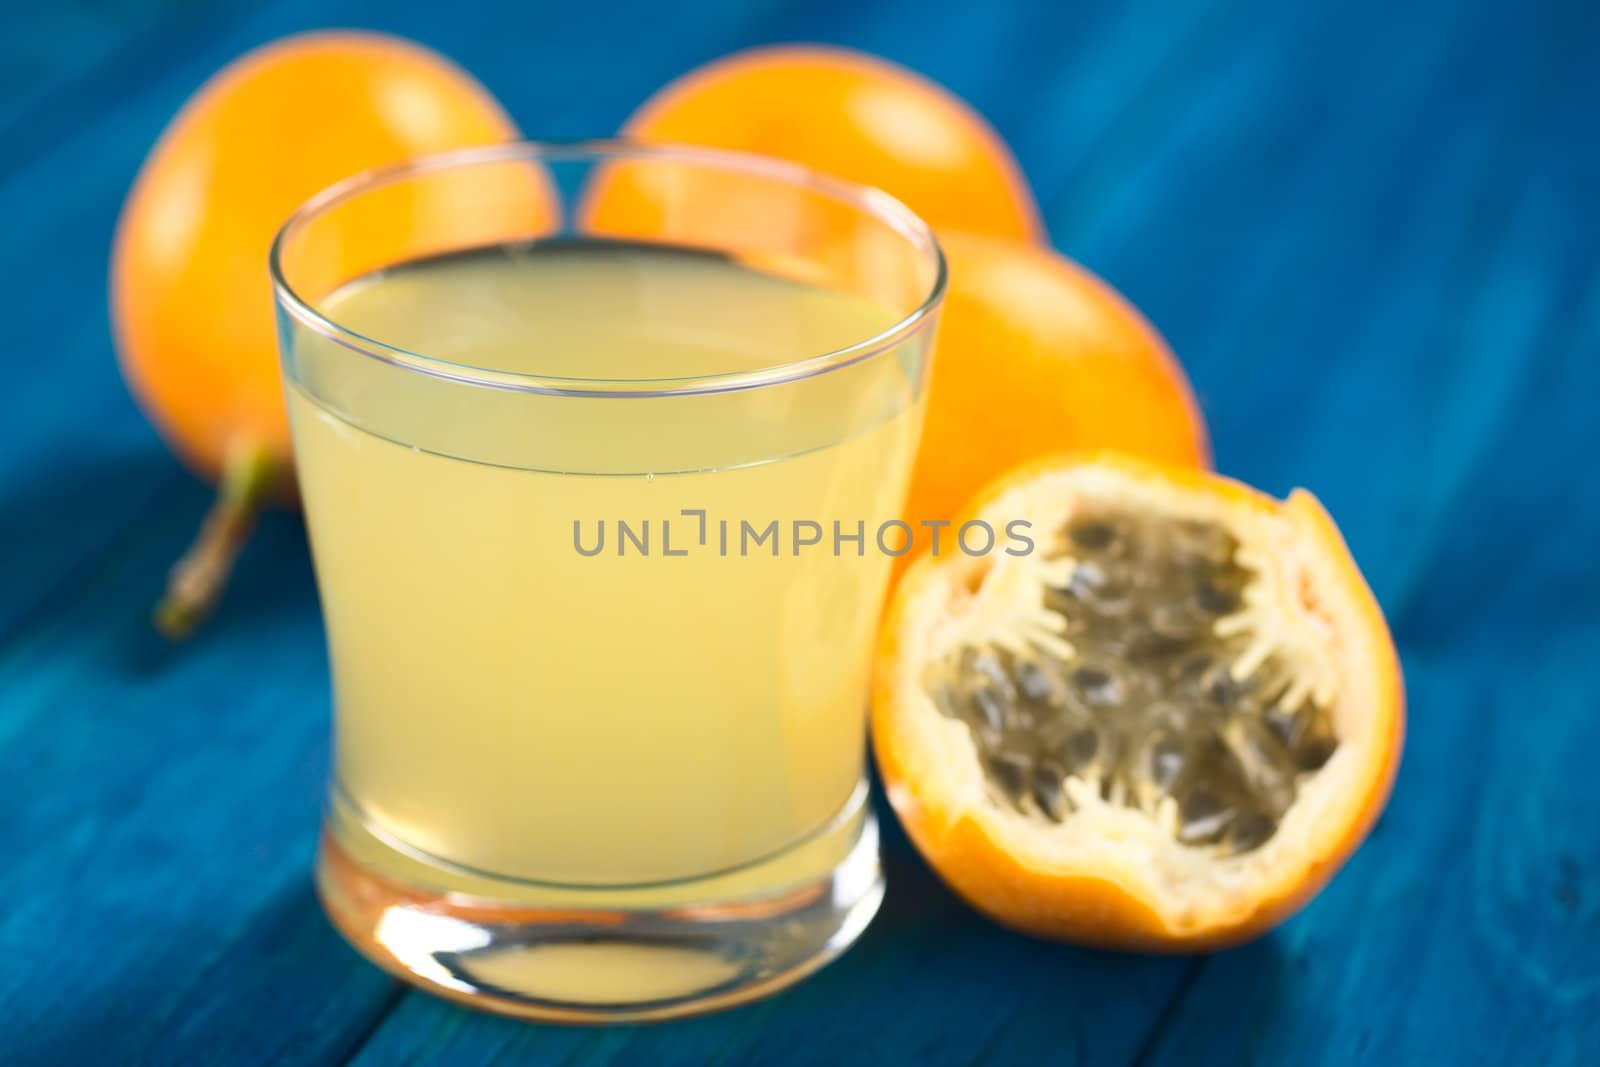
<point>1371,228</point>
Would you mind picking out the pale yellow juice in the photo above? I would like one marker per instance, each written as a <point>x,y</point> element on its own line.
<point>680,701</point>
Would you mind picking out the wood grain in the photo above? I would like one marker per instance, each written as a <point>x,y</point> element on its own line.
<point>1368,228</point>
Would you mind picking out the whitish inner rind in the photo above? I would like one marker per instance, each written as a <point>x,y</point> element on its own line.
<point>1298,606</point>
<point>1153,688</point>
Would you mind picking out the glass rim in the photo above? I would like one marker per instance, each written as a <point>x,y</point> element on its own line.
<point>867,199</point>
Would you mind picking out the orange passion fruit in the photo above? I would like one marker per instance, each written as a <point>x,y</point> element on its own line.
<point>191,302</point>
<point>1164,727</point>
<point>1034,356</point>
<point>841,113</point>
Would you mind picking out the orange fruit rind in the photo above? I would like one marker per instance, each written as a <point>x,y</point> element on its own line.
<point>845,113</point>
<point>1036,355</point>
<point>1110,872</point>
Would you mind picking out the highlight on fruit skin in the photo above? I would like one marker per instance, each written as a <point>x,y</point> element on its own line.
<point>1035,355</point>
<point>1164,729</point>
<point>191,301</point>
<point>842,113</point>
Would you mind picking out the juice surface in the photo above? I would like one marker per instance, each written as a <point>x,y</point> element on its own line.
<point>512,700</point>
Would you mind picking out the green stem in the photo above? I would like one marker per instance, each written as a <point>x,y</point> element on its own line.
<point>250,476</point>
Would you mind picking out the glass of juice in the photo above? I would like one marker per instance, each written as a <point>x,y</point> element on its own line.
<point>602,449</point>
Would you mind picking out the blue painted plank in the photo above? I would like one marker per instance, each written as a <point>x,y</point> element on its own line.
<point>158,809</point>
<point>1364,228</point>
<point>56,58</point>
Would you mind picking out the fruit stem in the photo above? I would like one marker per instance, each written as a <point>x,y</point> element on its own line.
<point>250,475</point>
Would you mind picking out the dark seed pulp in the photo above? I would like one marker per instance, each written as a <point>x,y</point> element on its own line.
<point>1149,706</point>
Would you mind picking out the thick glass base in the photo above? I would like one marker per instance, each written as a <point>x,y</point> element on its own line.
<point>595,955</point>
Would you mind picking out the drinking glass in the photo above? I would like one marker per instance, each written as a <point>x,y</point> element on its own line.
<point>601,609</point>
